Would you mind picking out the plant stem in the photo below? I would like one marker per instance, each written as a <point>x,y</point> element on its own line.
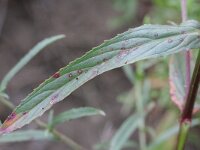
<point>140,110</point>
<point>186,116</point>
<point>187,53</point>
<point>56,133</point>
<point>184,10</point>
<point>185,122</point>
<point>190,101</point>
<point>139,105</point>
<point>183,132</point>
<point>61,136</point>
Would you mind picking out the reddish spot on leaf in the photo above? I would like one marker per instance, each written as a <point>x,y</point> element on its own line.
<point>11,117</point>
<point>80,71</point>
<point>56,75</point>
<point>10,120</point>
<point>54,99</point>
<point>123,53</point>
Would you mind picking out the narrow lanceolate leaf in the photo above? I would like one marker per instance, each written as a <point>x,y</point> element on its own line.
<point>124,132</point>
<point>29,135</point>
<point>75,114</point>
<point>32,53</point>
<point>147,41</point>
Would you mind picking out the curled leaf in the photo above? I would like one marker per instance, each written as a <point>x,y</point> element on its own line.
<point>147,41</point>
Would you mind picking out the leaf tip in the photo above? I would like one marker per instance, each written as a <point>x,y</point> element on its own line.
<point>101,112</point>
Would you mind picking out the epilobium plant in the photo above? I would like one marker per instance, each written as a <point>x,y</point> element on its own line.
<point>147,41</point>
<point>144,42</point>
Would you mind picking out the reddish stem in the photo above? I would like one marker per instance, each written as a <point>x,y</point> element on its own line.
<point>187,53</point>
<point>188,74</point>
<point>184,10</point>
<point>191,96</point>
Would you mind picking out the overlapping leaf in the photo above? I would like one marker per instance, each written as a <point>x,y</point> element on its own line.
<point>147,41</point>
<point>177,80</point>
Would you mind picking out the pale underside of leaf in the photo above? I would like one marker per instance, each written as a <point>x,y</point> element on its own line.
<point>147,41</point>
<point>177,80</point>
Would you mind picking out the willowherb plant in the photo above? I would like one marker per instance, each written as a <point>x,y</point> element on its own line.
<point>144,42</point>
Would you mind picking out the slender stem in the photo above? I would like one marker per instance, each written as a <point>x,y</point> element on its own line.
<point>184,10</point>
<point>140,110</point>
<point>191,91</point>
<point>61,136</point>
<point>55,132</point>
<point>189,105</point>
<point>190,101</point>
<point>187,69</point>
<point>140,106</point>
<point>183,132</point>
<point>187,53</point>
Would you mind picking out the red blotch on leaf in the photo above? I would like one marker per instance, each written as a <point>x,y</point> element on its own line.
<point>56,75</point>
<point>11,117</point>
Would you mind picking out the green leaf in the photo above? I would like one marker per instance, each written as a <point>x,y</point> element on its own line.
<point>75,114</point>
<point>147,41</point>
<point>124,132</point>
<point>28,135</point>
<point>32,53</point>
<point>162,138</point>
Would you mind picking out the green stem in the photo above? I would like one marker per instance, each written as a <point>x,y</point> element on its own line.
<point>57,134</point>
<point>140,110</point>
<point>140,107</point>
<point>183,133</point>
<point>61,136</point>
